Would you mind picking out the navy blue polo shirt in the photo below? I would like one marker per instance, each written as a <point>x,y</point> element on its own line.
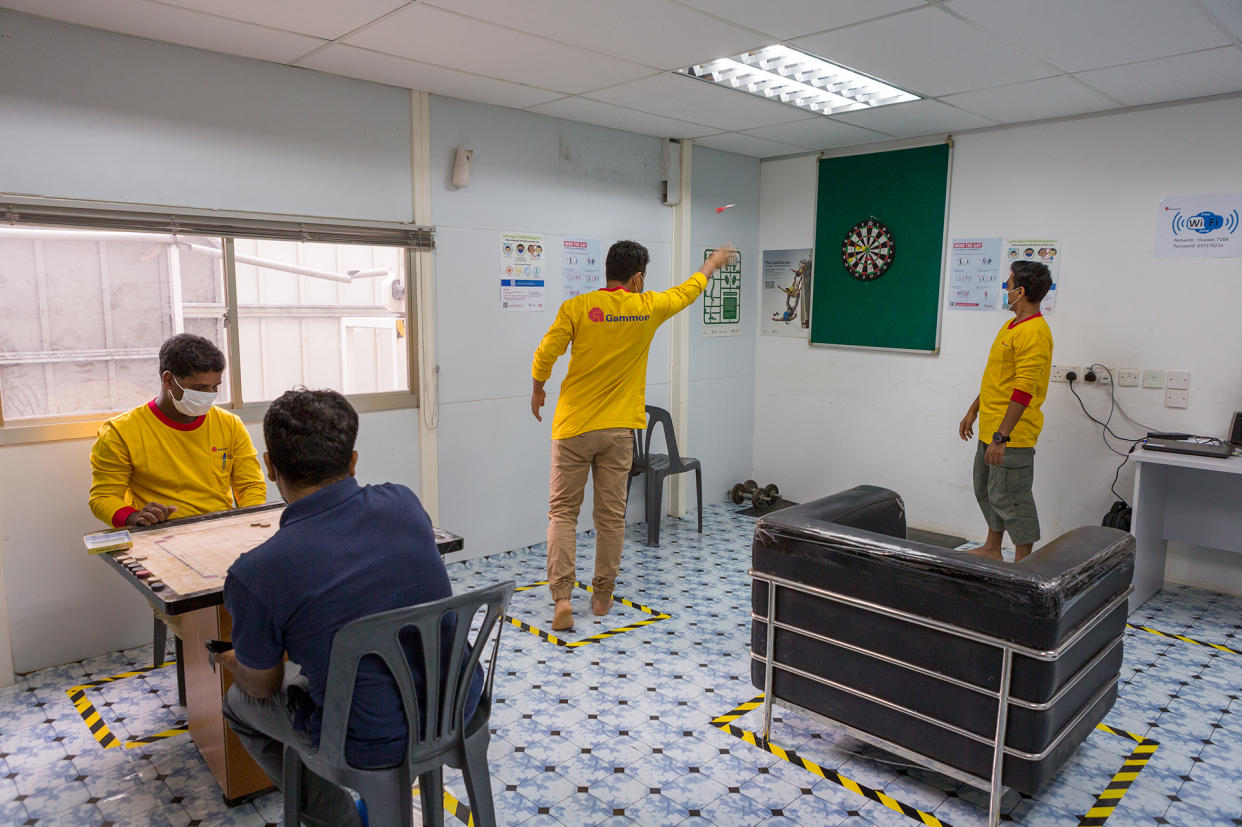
<point>343,552</point>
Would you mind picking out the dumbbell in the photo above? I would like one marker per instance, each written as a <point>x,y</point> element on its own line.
<point>743,491</point>
<point>766,496</point>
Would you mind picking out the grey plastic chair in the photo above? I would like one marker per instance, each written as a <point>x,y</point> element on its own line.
<point>659,466</point>
<point>437,733</point>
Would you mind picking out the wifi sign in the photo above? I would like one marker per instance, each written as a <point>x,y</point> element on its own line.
<point>1205,222</point>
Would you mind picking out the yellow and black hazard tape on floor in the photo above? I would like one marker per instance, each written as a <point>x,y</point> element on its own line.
<point>95,723</point>
<point>1108,800</point>
<point>725,723</point>
<point>654,617</point>
<point>1220,646</point>
<point>457,809</point>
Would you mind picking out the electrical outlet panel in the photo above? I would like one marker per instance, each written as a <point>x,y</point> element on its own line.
<point>1175,398</point>
<point>1153,378</point>
<point>1128,377</point>
<point>1178,380</point>
<point>1102,376</point>
<point>1059,371</point>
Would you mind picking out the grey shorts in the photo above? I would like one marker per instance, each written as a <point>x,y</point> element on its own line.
<point>1004,493</point>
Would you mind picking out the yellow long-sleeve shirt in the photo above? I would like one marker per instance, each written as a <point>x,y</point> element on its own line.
<point>1019,366</point>
<point>611,331</point>
<point>143,456</point>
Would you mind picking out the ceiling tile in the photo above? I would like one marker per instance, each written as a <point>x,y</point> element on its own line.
<point>1213,72</point>
<point>741,144</point>
<point>672,36</point>
<point>926,51</point>
<point>1075,35</point>
<point>907,120</point>
<point>431,35</point>
<point>172,25</point>
<point>818,133</point>
<point>681,97</point>
<point>619,117</point>
<point>1033,100</point>
<point>1228,12</point>
<point>328,19</point>
<point>791,18</point>
<point>353,62</point>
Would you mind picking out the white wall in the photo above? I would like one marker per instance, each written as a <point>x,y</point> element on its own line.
<point>722,368</point>
<point>828,418</point>
<point>535,174</point>
<point>89,114</point>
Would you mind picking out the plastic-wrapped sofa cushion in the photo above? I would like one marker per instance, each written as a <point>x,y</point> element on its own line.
<point>853,543</point>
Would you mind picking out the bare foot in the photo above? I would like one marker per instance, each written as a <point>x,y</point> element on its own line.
<point>985,551</point>
<point>601,606</point>
<point>564,616</point>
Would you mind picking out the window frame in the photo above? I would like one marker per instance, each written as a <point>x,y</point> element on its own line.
<point>412,239</point>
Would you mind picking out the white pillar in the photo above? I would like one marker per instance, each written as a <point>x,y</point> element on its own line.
<point>679,334</point>
<point>422,285</point>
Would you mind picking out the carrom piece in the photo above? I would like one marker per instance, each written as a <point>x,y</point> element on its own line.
<point>156,585</point>
<point>141,574</point>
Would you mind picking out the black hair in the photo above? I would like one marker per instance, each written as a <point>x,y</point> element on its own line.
<point>1034,278</point>
<point>625,258</point>
<point>310,435</point>
<point>186,354</point>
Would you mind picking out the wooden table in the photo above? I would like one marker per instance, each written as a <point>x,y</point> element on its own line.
<point>191,557</point>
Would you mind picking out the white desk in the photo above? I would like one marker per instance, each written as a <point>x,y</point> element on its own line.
<point>1196,500</point>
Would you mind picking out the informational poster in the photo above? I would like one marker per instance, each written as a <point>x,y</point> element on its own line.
<point>974,273</point>
<point>722,300</point>
<point>1193,226</point>
<point>1045,251</point>
<point>786,293</point>
<point>521,271</point>
<point>582,268</point>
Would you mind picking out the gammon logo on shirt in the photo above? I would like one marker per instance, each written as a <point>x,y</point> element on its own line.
<point>595,314</point>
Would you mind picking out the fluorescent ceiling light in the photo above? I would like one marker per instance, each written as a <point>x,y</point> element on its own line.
<point>798,79</point>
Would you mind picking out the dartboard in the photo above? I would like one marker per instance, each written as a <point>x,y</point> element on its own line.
<point>867,250</point>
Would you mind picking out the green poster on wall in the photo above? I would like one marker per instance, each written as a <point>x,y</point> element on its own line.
<point>879,249</point>
<point>722,300</point>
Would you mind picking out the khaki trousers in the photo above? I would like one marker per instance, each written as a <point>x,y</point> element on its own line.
<point>607,455</point>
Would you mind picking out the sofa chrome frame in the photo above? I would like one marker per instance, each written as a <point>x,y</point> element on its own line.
<point>1008,649</point>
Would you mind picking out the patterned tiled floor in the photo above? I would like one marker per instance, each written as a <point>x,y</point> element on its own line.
<point>619,730</point>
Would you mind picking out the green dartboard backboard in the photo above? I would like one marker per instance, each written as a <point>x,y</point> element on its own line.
<point>879,249</point>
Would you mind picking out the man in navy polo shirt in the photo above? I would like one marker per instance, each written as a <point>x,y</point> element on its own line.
<point>343,551</point>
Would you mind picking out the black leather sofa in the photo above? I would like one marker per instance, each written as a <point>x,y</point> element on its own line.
<point>911,647</point>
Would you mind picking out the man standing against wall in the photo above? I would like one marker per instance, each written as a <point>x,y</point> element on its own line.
<point>603,397</point>
<point>1015,383</point>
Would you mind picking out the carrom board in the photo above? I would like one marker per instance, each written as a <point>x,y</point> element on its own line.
<point>195,557</point>
<point>192,556</point>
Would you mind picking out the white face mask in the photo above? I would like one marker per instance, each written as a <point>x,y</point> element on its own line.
<point>193,403</point>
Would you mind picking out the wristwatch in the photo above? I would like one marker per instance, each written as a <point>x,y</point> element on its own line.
<point>999,438</point>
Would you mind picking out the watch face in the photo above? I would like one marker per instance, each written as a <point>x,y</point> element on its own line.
<point>867,251</point>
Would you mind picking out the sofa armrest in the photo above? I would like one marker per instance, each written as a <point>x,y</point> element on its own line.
<point>865,507</point>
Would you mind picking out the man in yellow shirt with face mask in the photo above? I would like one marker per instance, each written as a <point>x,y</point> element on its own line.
<point>177,455</point>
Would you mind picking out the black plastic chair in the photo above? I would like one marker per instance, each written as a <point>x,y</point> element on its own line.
<point>659,466</point>
<point>437,733</point>
<point>159,641</point>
